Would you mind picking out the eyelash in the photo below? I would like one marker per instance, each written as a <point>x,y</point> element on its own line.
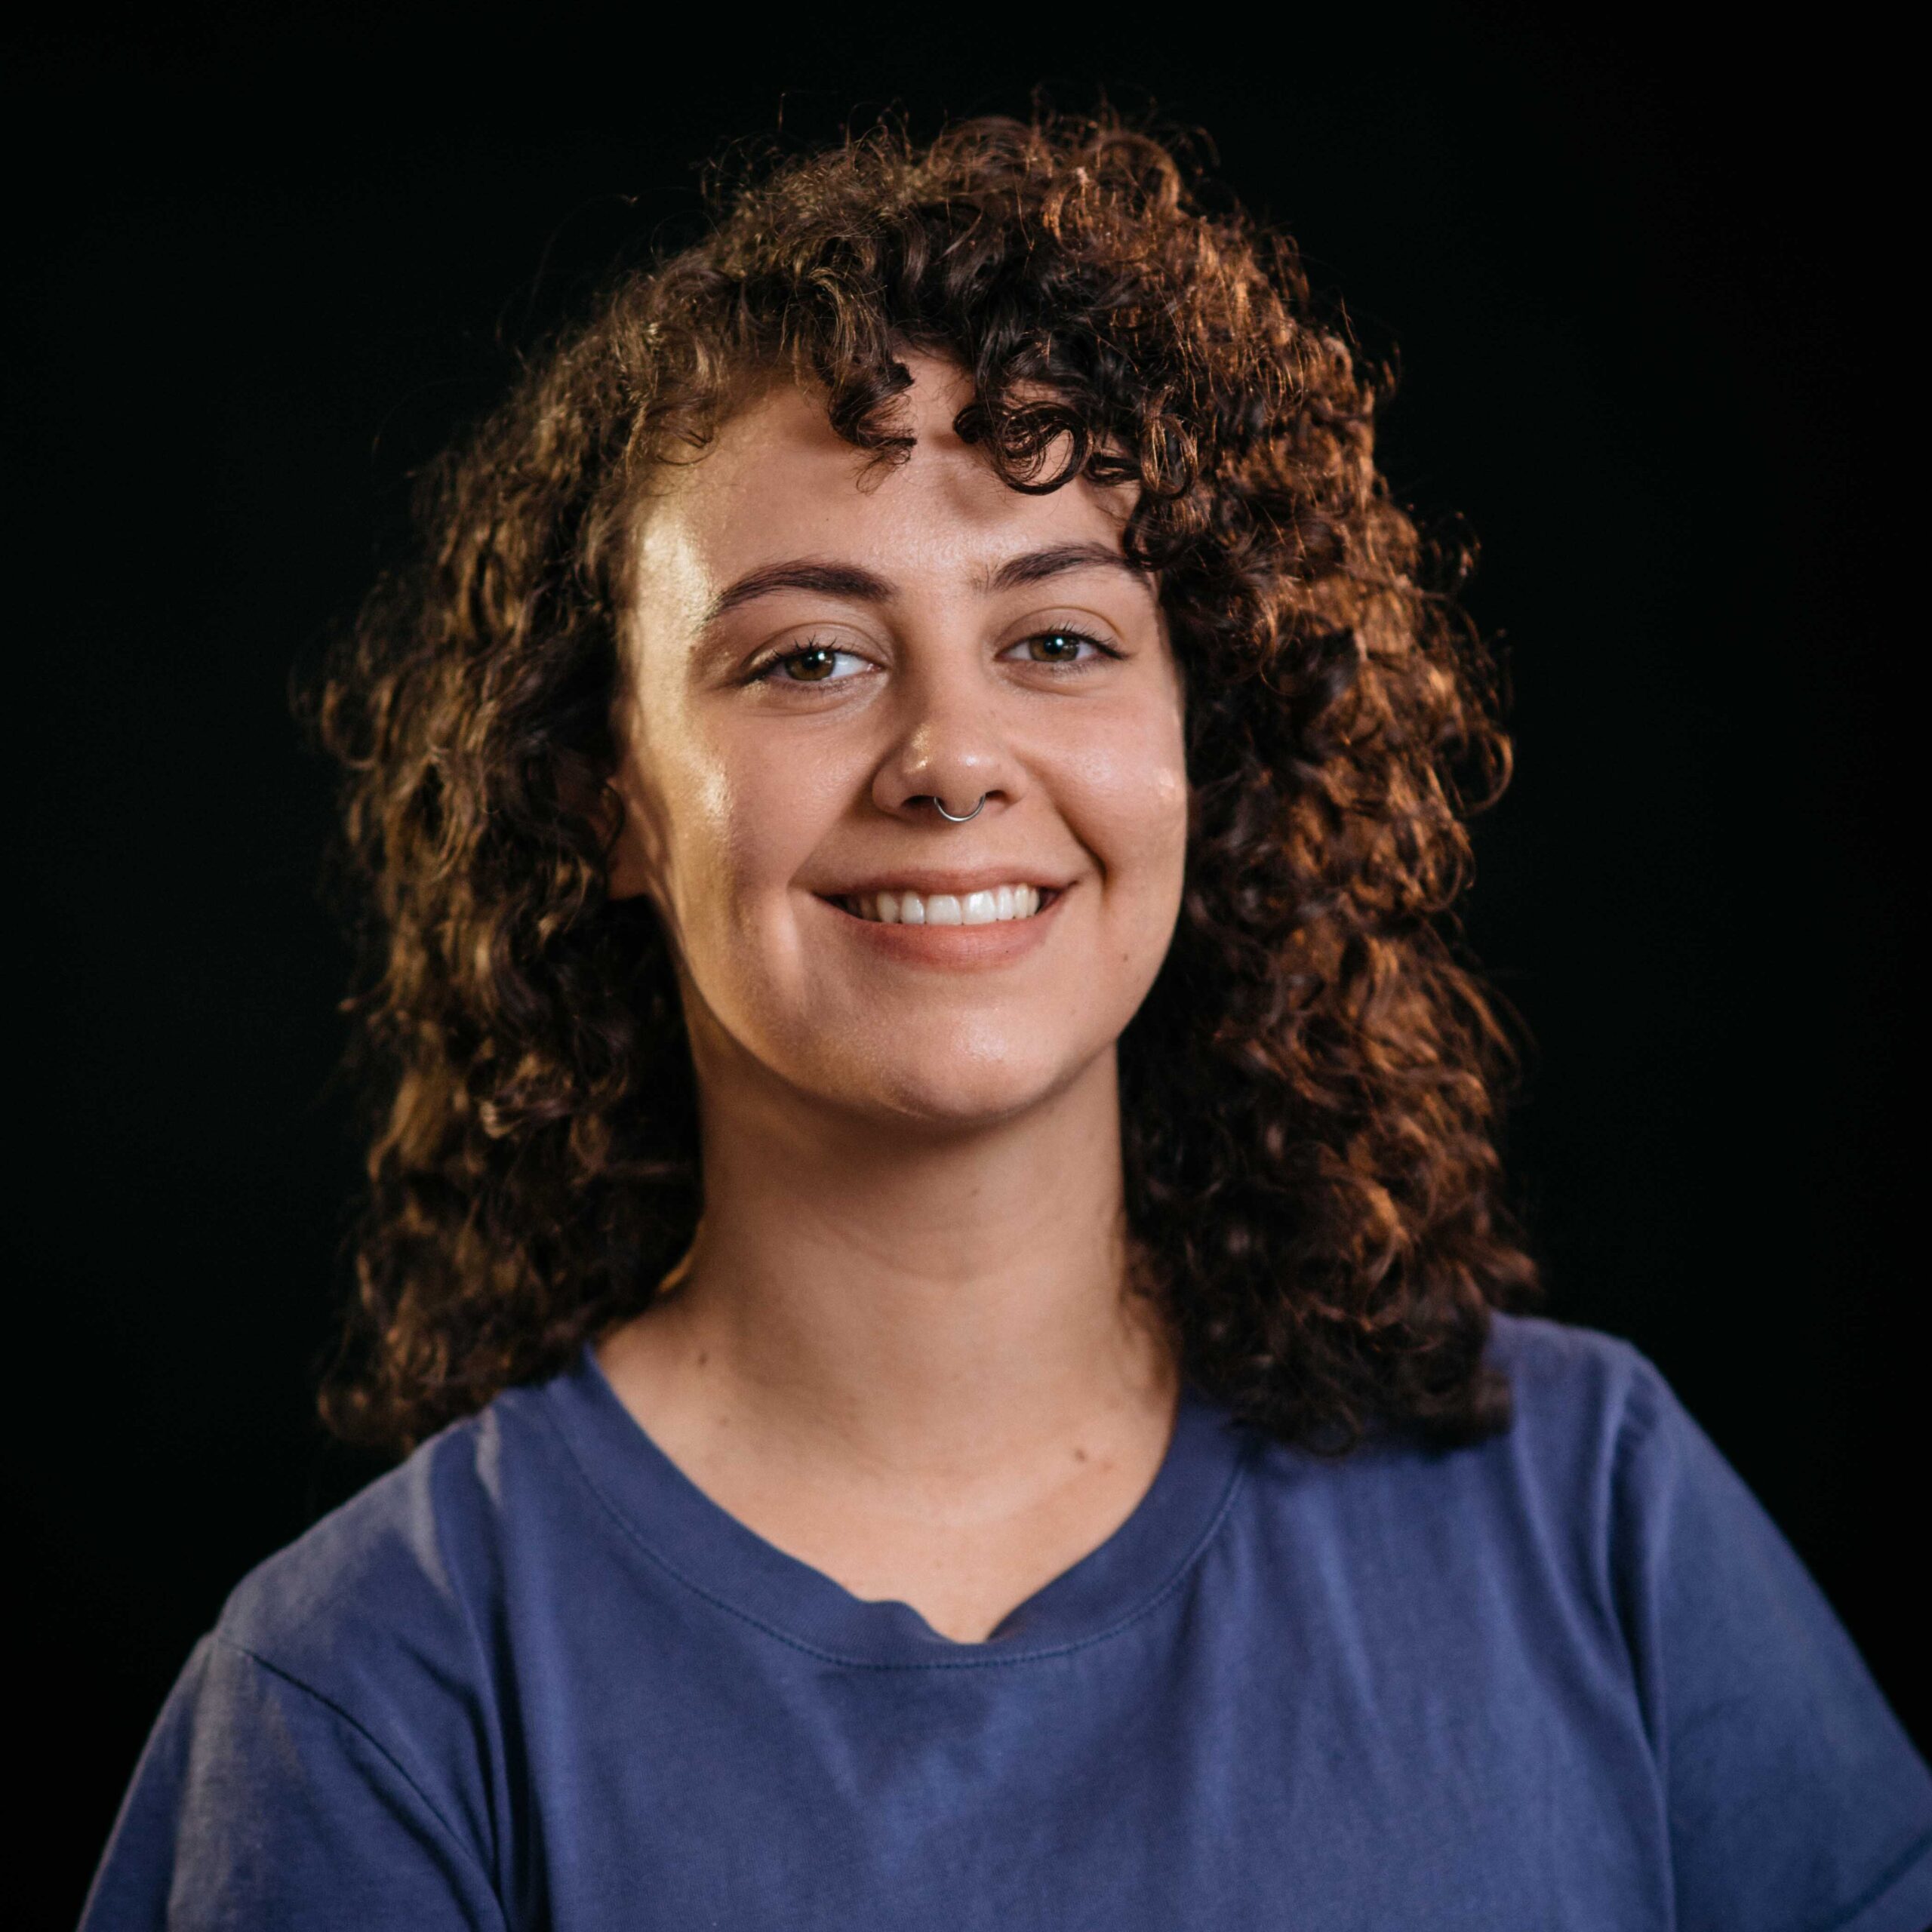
<point>764,674</point>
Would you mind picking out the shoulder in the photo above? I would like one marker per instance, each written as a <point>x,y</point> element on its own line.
<point>1541,1522</point>
<point>1556,1369</point>
<point>1791,1790</point>
<point>1599,1435</point>
<point>1583,1407</point>
<point>1536,1517</point>
<point>1579,1396</point>
<point>339,1734</point>
<point>1600,1453</point>
<point>398,1584</point>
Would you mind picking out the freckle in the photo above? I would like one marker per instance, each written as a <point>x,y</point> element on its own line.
<point>1079,1455</point>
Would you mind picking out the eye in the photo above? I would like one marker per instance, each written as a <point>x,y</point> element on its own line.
<point>815,664</point>
<point>1062,646</point>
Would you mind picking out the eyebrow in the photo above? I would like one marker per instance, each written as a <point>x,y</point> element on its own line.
<point>864,587</point>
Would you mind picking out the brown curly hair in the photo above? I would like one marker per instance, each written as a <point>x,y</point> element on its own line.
<point>1311,1091</point>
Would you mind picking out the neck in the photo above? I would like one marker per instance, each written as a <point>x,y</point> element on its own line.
<point>923,1307</point>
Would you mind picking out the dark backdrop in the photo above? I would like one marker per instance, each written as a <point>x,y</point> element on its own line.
<point>1645,286</point>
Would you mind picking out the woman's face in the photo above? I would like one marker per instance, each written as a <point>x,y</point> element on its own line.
<point>814,653</point>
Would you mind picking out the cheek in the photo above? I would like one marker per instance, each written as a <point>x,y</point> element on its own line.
<point>1131,786</point>
<point>744,819</point>
<point>685,819</point>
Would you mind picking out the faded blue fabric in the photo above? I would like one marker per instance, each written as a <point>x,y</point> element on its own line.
<point>1572,1677</point>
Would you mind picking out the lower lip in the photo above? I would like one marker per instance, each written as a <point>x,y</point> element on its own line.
<point>953,949</point>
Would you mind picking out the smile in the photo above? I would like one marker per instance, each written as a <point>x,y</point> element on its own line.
<point>996,906</point>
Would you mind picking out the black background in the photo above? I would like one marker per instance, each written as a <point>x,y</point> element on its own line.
<point>1646,281</point>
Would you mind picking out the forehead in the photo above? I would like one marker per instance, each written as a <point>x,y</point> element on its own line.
<point>779,483</point>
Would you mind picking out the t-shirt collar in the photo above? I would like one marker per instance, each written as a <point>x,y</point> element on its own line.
<point>709,1551</point>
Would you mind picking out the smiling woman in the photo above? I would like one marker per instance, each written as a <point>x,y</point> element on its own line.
<point>860,656</point>
<point>934,1237</point>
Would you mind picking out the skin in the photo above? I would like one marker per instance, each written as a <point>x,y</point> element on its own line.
<point>901,1348</point>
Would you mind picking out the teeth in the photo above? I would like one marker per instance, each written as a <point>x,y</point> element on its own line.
<point>944,909</point>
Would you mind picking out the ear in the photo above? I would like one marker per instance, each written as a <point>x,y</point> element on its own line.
<point>623,813</point>
<point>614,824</point>
<point>600,805</point>
<point>616,827</point>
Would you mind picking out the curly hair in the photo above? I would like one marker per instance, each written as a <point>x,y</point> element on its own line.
<point>1310,1091</point>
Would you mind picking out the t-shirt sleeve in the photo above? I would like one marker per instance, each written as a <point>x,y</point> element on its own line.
<point>1796,1802</point>
<point>258,1803</point>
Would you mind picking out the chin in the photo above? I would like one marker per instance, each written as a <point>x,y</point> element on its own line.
<point>959,1089</point>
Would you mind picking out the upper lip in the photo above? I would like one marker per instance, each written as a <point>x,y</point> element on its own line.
<point>926,879</point>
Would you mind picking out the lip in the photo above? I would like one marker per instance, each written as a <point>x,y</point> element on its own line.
<point>924,879</point>
<point>953,949</point>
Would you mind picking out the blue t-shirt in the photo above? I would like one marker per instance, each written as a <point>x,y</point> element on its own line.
<point>1571,1677</point>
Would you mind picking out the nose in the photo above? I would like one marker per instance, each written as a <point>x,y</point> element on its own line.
<point>949,749</point>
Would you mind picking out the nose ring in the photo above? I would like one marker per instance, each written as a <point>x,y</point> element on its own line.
<point>958,818</point>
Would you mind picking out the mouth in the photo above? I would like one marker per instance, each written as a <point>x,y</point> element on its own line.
<point>999,905</point>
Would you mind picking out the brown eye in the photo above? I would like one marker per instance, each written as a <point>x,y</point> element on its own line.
<point>812,666</point>
<point>1064,647</point>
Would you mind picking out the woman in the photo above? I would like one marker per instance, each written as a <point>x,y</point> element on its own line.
<point>934,1228</point>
